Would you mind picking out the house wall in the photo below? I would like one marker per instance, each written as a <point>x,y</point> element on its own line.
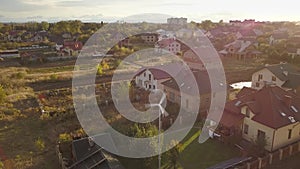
<point>253,130</point>
<point>281,135</point>
<point>267,77</point>
<point>276,138</point>
<point>149,38</point>
<point>188,101</point>
<point>174,47</point>
<point>143,81</point>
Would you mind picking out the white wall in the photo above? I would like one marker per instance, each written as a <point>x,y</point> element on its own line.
<point>267,77</point>
<point>143,81</point>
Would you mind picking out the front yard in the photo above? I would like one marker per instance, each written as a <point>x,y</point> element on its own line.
<point>201,156</point>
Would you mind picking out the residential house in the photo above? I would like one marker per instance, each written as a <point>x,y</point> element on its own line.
<point>218,32</point>
<point>39,36</point>
<point>87,154</point>
<point>294,52</point>
<point>278,36</point>
<point>15,36</point>
<point>283,75</point>
<point>185,93</point>
<point>204,61</point>
<point>163,34</point>
<point>121,39</point>
<point>151,78</point>
<point>71,48</point>
<point>270,114</point>
<point>240,49</point>
<point>171,45</point>
<point>246,33</point>
<point>150,37</point>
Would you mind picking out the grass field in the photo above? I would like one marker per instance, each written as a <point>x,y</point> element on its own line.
<point>201,156</point>
<point>29,142</point>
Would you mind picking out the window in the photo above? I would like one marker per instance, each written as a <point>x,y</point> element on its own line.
<point>149,77</point>
<point>256,84</point>
<point>187,103</point>
<point>246,128</point>
<point>150,86</point>
<point>207,100</point>
<point>247,112</point>
<point>261,135</point>
<point>290,134</point>
<point>273,78</point>
<point>153,86</point>
<point>260,77</point>
<point>145,74</point>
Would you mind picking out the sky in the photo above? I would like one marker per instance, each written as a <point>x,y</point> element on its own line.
<point>113,10</point>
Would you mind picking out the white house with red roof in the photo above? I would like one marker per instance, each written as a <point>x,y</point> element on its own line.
<point>70,47</point>
<point>270,113</point>
<point>151,78</point>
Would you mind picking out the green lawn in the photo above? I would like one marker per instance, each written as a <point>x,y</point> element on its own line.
<point>194,155</point>
<point>201,156</point>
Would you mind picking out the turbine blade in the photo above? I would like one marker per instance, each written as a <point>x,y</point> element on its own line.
<point>162,98</point>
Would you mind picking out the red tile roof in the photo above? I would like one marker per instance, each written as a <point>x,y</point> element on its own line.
<point>245,91</point>
<point>231,115</point>
<point>74,45</point>
<point>157,72</point>
<point>269,103</point>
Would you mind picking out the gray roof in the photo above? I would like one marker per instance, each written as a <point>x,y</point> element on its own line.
<point>280,70</point>
<point>88,156</point>
<point>293,81</point>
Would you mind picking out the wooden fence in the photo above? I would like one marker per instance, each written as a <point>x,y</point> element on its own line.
<point>270,158</point>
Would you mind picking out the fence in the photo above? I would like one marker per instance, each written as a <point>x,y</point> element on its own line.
<point>61,160</point>
<point>262,162</point>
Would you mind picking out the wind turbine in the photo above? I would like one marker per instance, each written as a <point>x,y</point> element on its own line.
<point>161,112</point>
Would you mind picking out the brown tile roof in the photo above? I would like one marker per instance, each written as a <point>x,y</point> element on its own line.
<point>269,104</point>
<point>272,106</point>
<point>231,115</point>
<point>245,91</point>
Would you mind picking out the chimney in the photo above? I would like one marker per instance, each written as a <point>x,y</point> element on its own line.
<point>287,100</point>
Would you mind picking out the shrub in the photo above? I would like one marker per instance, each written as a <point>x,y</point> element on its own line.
<point>65,137</point>
<point>53,77</point>
<point>40,144</point>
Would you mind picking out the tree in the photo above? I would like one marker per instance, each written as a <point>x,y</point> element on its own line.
<point>2,94</point>
<point>45,25</point>
<point>207,25</point>
<point>173,156</point>
<point>146,131</point>
<point>32,26</point>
